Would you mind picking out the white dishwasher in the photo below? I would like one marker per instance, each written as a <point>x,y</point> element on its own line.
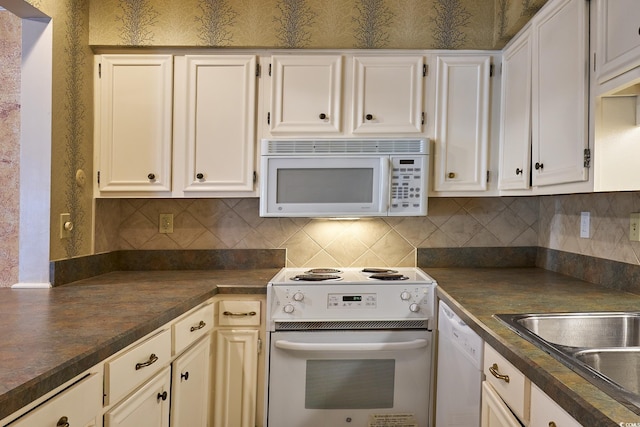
<point>459,373</point>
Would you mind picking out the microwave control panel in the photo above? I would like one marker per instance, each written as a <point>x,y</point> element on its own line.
<point>408,185</point>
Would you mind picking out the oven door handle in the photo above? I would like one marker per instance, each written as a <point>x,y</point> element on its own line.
<point>371,346</point>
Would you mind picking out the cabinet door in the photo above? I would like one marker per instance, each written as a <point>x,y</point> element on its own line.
<point>515,120</point>
<point>215,122</point>
<point>560,90</point>
<point>387,94</point>
<point>190,386</point>
<point>545,412</point>
<point>236,378</point>
<point>134,123</point>
<point>618,37</point>
<point>462,123</point>
<point>147,407</point>
<point>306,94</point>
<point>495,413</point>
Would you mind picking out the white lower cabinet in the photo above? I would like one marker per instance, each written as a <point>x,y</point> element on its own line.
<point>545,412</point>
<point>79,405</point>
<point>146,407</point>
<point>238,362</point>
<point>190,386</point>
<point>509,399</point>
<point>495,413</point>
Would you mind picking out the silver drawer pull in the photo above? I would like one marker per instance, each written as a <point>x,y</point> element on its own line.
<point>199,326</point>
<point>494,371</point>
<point>152,359</point>
<point>230,313</point>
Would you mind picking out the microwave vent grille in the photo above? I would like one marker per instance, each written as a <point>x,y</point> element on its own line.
<point>347,146</point>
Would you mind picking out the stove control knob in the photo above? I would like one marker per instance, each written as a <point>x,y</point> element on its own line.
<point>298,296</point>
<point>414,308</point>
<point>405,296</point>
<point>288,308</point>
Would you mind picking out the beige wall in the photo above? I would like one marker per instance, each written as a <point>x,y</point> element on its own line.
<point>10,47</point>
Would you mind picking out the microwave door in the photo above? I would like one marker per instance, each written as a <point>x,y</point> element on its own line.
<point>325,186</point>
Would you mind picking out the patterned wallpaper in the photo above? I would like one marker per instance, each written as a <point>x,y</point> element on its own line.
<point>10,47</point>
<point>232,23</point>
<point>395,24</point>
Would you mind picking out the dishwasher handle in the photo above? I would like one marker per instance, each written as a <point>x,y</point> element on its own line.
<point>372,346</point>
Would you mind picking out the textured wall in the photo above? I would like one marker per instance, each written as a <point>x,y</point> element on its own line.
<point>560,225</point>
<point>10,47</point>
<point>395,24</point>
<point>234,223</point>
<point>72,124</point>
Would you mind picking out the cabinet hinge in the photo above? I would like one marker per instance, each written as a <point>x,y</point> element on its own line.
<point>99,71</point>
<point>268,118</point>
<point>255,177</point>
<point>257,70</point>
<point>587,157</point>
<point>423,117</point>
<point>259,345</point>
<point>98,177</point>
<point>269,69</point>
<point>425,70</point>
<point>594,62</point>
<point>488,175</point>
<point>491,67</point>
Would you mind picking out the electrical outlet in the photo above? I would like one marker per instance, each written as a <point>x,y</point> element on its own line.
<point>584,224</point>
<point>634,227</point>
<point>166,223</point>
<point>66,226</point>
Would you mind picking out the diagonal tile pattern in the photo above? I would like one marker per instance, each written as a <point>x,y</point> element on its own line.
<point>235,223</point>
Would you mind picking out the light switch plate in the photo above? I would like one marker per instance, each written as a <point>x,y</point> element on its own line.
<point>634,227</point>
<point>584,224</point>
<point>166,223</point>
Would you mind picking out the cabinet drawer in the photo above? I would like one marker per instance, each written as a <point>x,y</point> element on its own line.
<point>80,404</point>
<point>545,412</point>
<point>239,313</point>
<point>136,365</point>
<point>192,327</point>
<point>511,384</point>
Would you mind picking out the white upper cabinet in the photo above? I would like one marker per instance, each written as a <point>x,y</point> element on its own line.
<point>617,37</point>
<point>214,118</point>
<point>560,101</point>
<point>387,94</point>
<point>306,94</point>
<point>462,123</point>
<point>515,120</point>
<point>134,123</point>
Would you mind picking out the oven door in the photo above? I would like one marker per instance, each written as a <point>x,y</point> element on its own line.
<point>341,378</point>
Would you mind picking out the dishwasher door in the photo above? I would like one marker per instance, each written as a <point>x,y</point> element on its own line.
<point>459,372</point>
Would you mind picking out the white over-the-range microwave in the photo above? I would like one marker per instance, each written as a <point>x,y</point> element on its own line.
<point>344,177</point>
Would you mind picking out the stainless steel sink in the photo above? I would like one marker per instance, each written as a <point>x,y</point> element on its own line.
<point>621,365</point>
<point>603,347</point>
<point>582,329</point>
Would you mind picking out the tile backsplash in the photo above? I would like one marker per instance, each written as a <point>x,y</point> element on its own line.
<point>551,222</point>
<point>235,224</point>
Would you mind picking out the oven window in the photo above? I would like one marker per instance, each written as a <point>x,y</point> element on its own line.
<point>350,384</point>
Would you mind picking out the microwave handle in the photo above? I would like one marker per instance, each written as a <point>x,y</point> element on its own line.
<point>375,346</point>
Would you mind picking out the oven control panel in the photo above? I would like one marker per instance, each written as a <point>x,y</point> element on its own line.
<point>350,302</point>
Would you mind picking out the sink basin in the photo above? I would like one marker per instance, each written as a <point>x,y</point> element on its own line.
<point>603,347</point>
<point>621,365</point>
<point>581,329</point>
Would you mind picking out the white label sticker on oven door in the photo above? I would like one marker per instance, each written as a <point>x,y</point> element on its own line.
<point>392,420</point>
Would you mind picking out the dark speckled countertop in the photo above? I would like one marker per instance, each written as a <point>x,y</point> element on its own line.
<point>51,335</point>
<point>476,294</point>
